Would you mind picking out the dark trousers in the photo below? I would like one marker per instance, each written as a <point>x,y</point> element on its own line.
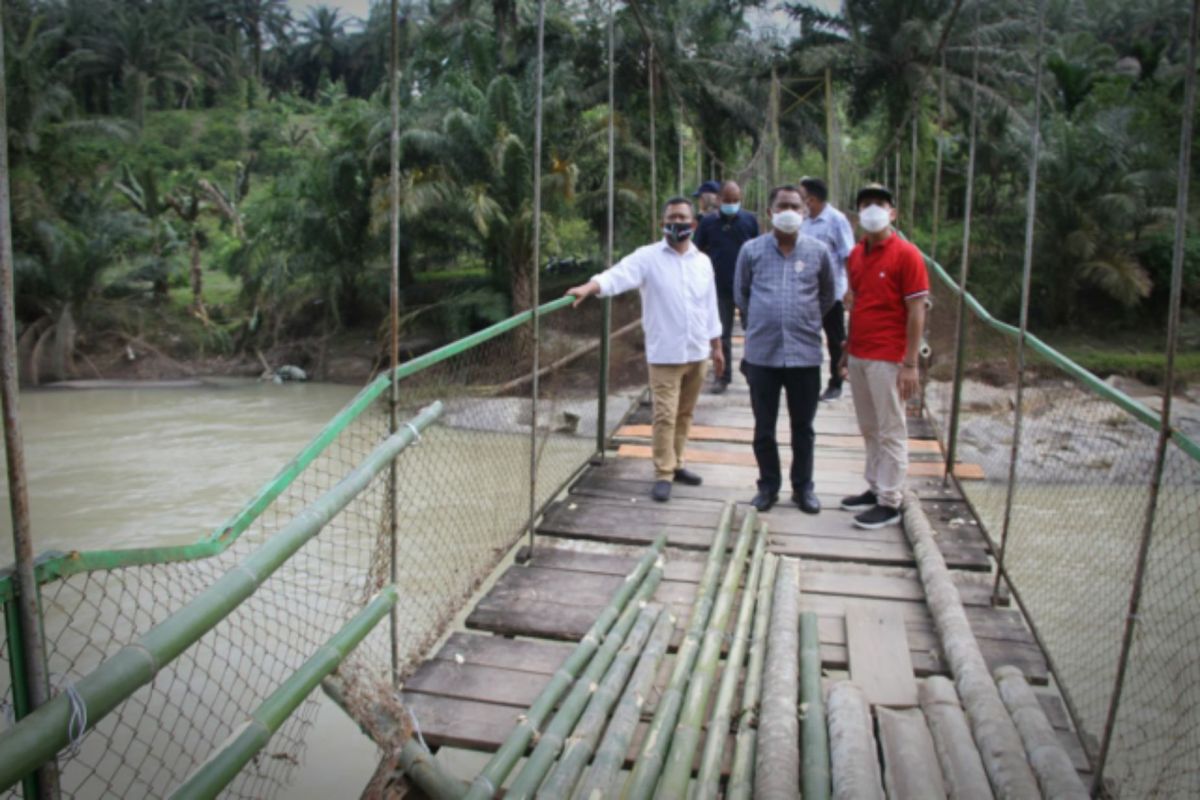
<point>835,334</point>
<point>803,386</point>
<point>725,310</point>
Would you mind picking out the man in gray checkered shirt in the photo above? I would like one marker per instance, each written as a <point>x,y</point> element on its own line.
<point>784,285</point>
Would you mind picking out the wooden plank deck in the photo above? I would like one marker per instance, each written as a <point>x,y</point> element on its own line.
<point>470,692</point>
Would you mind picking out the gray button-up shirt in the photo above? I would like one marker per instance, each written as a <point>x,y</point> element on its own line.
<point>783,300</point>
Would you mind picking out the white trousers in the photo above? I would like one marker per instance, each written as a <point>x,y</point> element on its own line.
<point>881,420</point>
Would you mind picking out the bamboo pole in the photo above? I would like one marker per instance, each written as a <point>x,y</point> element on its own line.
<point>635,622</point>
<point>962,771</point>
<point>501,763</point>
<point>814,737</point>
<point>1050,762</point>
<point>995,735</point>
<point>581,745</point>
<point>209,778</point>
<point>741,776</point>
<point>44,732</point>
<point>685,740</point>
<point>777,760</point>
<point>708,781</point>
<point>854,759</point>
<point>610,756</point>
<point>650,760</point>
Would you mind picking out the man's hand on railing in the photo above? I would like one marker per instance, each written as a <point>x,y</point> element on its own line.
<point>583,292</point>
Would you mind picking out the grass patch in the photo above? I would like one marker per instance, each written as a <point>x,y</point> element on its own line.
<point>1146,367</point>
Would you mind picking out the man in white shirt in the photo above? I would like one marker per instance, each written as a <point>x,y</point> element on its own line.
<point>830,227</point>
<point>682,327</point>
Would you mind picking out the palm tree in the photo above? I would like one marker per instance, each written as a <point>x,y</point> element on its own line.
<point>262,22</point>
<point>471,169</point>
<point>321,50</point>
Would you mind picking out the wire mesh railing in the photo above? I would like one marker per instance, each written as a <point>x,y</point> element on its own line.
<point>461,501</point>
<point>1082,487</point>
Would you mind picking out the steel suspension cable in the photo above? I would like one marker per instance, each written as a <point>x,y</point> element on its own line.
<point>960,327</point>
<point>1165,429</point>
<point>1026,277</point>
<point>535,320</point>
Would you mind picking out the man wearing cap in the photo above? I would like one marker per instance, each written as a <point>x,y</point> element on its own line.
<point>784,287</point>
<point>720,236</point>
<point>707,197</point>
<point>682,327</point>
<point>888,287</point>
<point>828,225</point>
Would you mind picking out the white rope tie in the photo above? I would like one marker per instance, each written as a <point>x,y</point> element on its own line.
<point>417,728</point>
<point>416,433</point>
<point>77,722</point>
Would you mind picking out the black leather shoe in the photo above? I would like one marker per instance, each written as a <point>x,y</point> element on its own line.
<point>763,501</point>
<point>808,502</point>
<point>661,491</point>
<point>688,477</point>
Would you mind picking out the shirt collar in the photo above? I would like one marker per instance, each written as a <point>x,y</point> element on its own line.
<point>691,248</point>
<point>875,248</point>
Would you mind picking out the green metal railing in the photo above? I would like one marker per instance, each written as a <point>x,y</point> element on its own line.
<point>54,565</point>
<point>1139,411</point>
<point>41,734</point>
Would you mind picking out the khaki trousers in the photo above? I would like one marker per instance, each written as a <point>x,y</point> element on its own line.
<point>674,389</point>
<point>881,420</point>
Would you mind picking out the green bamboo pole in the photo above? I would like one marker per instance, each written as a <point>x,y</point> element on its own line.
<point>579,748</point>
<point>777,747</point>
<point>632,628</point>
<point>741,774</point>
<point>22,704</point>
<point>501,763</point>
<point>814,736</point>
<point>610,757</point>
<point>686,738</point>
<point>654,748</point>
<point>220,768</point>
<point>43,733</point>
<point>422,769</point>
<point>709,779</point>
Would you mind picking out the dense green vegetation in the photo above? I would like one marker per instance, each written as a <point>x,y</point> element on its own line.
<point>212,174</point>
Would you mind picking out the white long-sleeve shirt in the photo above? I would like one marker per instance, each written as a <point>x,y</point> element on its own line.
<point>679,300</point>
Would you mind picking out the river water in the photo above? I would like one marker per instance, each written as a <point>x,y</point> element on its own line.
<point>137,467</point>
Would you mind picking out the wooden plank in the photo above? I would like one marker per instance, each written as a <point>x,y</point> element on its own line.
<point>698,455</point>
<point>910,765</point>
<point>713,433</point>
<point>524,655</point>
<point>879,661</point>
<point>972,590</point>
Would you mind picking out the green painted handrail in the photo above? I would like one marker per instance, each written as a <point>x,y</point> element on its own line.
<point>55,564</point>
<point>224,764</point>
<point>36,738</point>
<point>1139,411</point>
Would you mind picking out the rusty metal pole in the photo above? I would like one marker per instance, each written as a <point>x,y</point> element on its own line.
<point>32,643</point>
<point>394,313</point>
<point>1165,429</point>
<point>535,321</point>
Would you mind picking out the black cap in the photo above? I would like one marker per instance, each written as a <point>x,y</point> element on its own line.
<point>874,191</point>
<point>708,186</point>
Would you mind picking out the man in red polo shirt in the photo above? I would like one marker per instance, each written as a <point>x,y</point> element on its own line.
<point>888,286</point>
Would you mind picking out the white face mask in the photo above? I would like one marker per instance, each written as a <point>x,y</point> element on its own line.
<point>787,221</point>
<point>874,218</point>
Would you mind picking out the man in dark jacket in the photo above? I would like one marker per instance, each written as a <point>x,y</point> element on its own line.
<point>720,237</point>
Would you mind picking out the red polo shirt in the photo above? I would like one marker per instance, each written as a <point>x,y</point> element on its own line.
<point>883,277</point>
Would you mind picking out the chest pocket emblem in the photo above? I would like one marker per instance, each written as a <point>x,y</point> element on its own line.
<point>798,266</point>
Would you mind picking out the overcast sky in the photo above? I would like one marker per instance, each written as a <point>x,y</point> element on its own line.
<point>349,8</point>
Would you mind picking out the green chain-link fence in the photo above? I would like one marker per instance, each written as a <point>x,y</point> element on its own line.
<point>462,499</point>
<point>1080,498</point>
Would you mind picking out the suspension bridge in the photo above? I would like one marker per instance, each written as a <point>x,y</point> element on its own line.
<point>465,557</point>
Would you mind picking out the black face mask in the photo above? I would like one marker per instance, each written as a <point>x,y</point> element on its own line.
<point>677,231</point>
